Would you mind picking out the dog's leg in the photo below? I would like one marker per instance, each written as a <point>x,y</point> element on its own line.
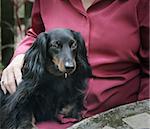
<point>75,112</point>
<point>71,111</point>
<point>76,108</point>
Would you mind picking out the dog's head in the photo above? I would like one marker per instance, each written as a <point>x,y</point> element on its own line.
<point>60,52</point>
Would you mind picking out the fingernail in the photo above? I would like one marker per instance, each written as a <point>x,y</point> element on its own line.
<point>19,81</point>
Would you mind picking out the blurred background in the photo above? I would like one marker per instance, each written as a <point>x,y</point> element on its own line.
<point>15,19</point>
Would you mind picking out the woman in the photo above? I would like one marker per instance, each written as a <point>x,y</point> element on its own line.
<point>116,33</point>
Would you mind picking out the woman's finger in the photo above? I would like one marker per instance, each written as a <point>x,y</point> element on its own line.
<point>12,75</point>
<point>18,75</point>
<point>11,84</point>
<point>3,87</point>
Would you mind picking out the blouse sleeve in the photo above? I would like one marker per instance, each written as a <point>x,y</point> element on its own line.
<point>143,18</point>
<point>37,27</point>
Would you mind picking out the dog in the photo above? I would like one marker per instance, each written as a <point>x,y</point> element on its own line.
<point>55,74</point>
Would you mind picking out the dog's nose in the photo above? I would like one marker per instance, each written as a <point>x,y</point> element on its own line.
<point>69,66</point>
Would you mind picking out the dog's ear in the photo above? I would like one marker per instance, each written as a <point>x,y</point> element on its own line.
<point>35,57</point>
<point>82,53</point>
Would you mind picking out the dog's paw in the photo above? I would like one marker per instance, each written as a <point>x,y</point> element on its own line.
<point>70,111</point>
<point>66,110</point>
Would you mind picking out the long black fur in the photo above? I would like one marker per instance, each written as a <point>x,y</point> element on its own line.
<point>42,94</point>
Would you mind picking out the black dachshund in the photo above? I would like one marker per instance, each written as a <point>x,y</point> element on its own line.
<point>55,73</point>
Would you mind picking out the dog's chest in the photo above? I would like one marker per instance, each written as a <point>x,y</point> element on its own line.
<point>52,97</point>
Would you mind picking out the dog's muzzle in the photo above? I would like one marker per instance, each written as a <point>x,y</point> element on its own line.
<point>69,66</point>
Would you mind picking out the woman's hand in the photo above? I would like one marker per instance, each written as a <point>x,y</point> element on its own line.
<point>11,75</point>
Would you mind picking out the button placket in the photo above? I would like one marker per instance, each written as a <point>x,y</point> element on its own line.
<point>88,33</point>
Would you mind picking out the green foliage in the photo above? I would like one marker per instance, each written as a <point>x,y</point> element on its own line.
<point>1,66</point>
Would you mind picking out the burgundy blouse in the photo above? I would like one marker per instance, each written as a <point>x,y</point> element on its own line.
<point>116,33</point>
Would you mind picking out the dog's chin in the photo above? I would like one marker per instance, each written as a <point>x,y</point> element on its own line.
<point>64,74</point>
<point>59,73</point>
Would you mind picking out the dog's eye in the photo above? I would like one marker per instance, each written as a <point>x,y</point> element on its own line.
<point>56,44</point>
<point>73,45</point>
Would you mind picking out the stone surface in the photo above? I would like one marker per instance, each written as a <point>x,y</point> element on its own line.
<point>107,127</point>
<point>119,118</point>
<point>140,121</point>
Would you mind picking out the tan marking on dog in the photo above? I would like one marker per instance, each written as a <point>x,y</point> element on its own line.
<point>65,110</point>
<point>58,62</point>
